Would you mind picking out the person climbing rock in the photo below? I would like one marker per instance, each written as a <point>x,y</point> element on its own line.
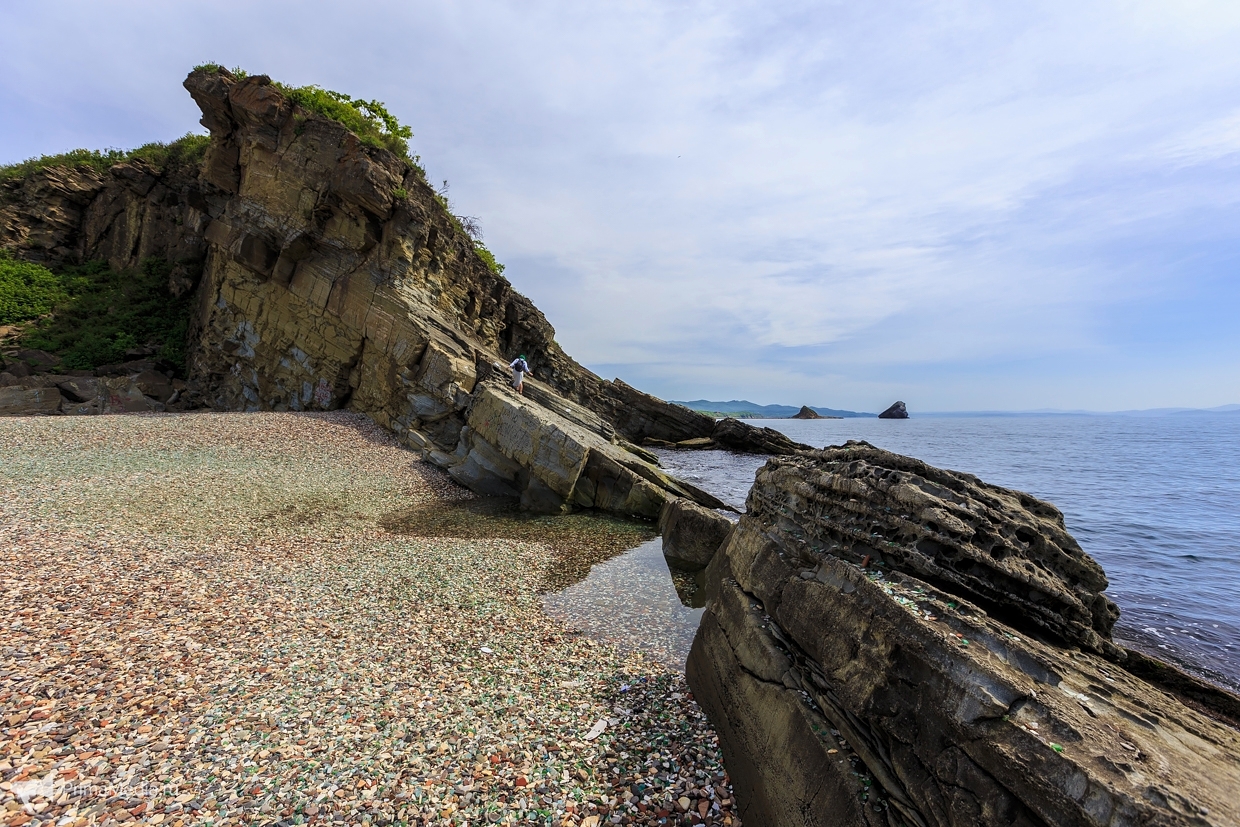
<point>520,369</point>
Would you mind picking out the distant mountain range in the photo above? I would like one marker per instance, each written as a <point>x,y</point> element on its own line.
<point>742,409</point>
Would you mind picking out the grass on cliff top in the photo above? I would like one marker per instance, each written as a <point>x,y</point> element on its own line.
<point>90,315</point>
<point>188,150</point>
<point>374,126</point>
<point>369,120</point>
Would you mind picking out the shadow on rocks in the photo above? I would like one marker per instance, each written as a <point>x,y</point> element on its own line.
<point>579,541</point>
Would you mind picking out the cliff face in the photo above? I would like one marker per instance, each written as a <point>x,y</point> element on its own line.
<point>889,643</point>
<point>132,212</point>
<point>340,251</point>
<point>329,275</point>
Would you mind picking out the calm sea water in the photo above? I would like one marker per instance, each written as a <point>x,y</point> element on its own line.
<point>1155,500</point>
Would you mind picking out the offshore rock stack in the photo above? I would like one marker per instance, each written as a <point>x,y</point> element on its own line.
<point>896,411</point>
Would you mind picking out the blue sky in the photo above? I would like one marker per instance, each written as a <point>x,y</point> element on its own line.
<point>963,205</point>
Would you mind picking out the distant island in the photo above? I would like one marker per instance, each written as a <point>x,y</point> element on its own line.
<point>743,409</point>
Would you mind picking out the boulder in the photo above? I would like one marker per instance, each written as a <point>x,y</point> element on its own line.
<point>738,436</point>
<point>17,369</point>
<point>154,384</point>
<point>863,664</point>
<point>691,534</point>
<point>18,400</point>
<point>896,411</point>
<point>807,412</point>
<point>80,389</point>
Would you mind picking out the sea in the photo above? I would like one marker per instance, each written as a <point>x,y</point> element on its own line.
<point>1155,500</point>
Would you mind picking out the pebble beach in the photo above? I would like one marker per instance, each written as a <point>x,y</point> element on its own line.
<point>226,618</point>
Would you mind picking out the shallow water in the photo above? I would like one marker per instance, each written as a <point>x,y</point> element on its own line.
<point>632,600</point>
<point>1155,500</point>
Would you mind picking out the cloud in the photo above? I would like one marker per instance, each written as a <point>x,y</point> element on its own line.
<point>754,196</point>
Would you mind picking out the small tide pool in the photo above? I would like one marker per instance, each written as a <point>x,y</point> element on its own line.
<point>636,602</point>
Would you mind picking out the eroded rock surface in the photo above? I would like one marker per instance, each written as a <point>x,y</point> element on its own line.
<point>866,659</point>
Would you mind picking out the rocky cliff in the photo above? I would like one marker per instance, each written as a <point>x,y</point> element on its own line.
<point>329,274</point>
<point>889,643</point>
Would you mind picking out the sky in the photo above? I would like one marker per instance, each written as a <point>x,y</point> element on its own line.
<point>963,205</point>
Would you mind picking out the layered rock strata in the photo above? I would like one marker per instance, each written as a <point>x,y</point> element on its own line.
<point>733,435</point>
<point>737,436</point>
<point>329,274</point>
<point>889,643</point>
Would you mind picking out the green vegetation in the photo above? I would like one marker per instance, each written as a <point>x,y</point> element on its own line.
<point>236,71</point>
<point>400,193</point>
<point>187,150</point>
<point>27,290</point>
<point>488,258</point>
<point>99,313</point>
<point>733,414</point>
<point>468,225</point>
<point>369,120</point>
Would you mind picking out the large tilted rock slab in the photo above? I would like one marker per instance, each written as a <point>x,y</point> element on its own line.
<point>739,436</point>
<point>514,446</point>
<point>884,694</point>
<point>1003,549</point>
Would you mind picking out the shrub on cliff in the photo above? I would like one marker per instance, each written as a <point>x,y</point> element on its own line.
<point>27,290</point>
<point>369,120</point>
<point>188,150</point>
<point>102,313</point>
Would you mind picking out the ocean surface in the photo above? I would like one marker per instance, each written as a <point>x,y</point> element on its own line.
<point>1155,500</point>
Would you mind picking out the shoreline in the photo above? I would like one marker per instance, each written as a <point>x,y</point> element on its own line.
<point>213,624</point>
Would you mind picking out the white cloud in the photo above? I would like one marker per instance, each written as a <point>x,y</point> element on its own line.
<point>817,189</point>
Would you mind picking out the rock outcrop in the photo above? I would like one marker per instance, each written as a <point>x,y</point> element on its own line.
<point>132,212</point>
<point>737,436</point>
<point>691,534</point>
<point>896,411</point>
<point>329,274</point>
<point>807,412</point>
<point>29,388</point>
<point>890,643</point>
